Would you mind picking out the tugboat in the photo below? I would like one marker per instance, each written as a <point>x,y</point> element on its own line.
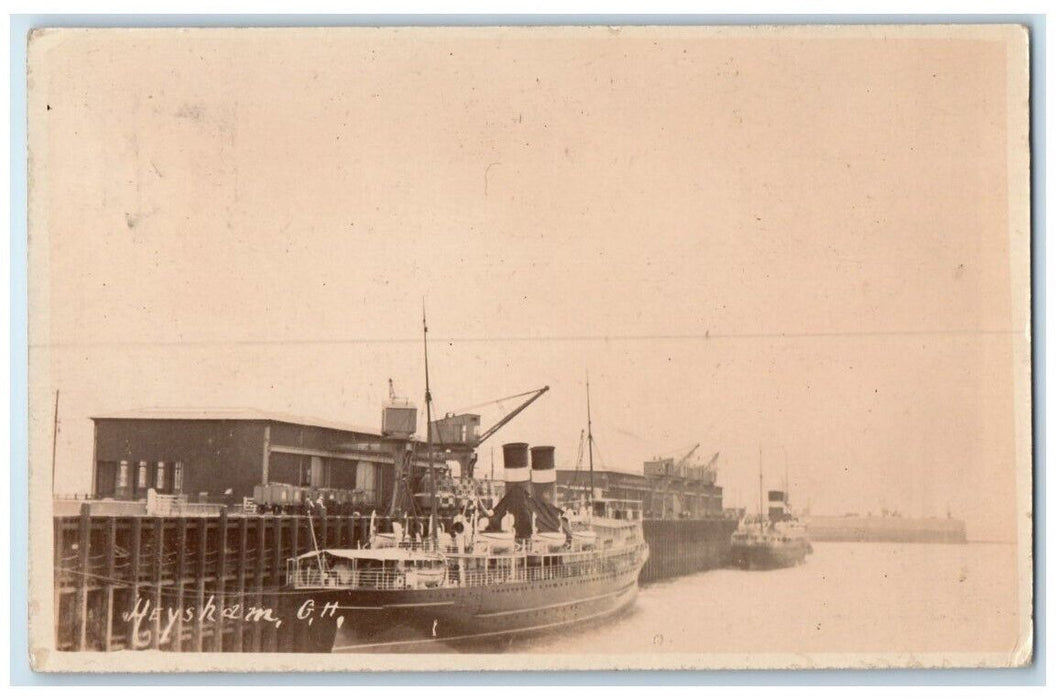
<point>521,567</point>
<point>774,540</point>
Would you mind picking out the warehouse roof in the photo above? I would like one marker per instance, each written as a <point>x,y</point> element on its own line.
<point>238,414</point>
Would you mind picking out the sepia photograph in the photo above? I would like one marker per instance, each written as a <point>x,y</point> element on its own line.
<point>530,347</point>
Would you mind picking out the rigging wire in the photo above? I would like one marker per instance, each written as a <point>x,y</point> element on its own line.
<point>495,401</point>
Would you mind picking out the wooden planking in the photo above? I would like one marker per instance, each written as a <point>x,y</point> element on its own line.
<point>111,576</point>
<point>681,547</point>
<point>258,579</point>
<point>158,575</point>
<point>274,580</point>
<point>133,577</point>
<point>221,581</point>
<point>61,631</point>
<point>91,597</point>
<point>203,547</point>
<point>181,574</point>
<point>84,545</point>
<point>240,627</point>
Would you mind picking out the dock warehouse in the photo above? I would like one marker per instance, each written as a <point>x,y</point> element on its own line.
<point>222,455</point>
<point>212,455</point>
<point>691,495</point>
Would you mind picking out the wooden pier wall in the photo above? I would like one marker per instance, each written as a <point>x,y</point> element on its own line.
<point>681,547</point>
<point>223,569</point>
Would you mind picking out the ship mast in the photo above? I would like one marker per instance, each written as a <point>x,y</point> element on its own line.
<point>787,482</point>
<point>433,511</point>
<point>760,485</point>
<point>590,445</point>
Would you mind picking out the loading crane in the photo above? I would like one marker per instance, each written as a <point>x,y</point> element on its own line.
<point>456,433</point>
<point>682,462</point>
<point>532,397</point>
<point>665,484</point>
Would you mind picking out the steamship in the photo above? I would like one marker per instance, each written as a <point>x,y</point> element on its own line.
<point>497,570</point>
<point>522,567</point>
<point>773,541</point>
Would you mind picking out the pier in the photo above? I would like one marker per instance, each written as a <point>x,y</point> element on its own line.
<point>855,528</point>
<point>207,583</point>
<point>682,547</point>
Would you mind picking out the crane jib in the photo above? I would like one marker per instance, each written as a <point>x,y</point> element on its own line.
<point>512,414</point>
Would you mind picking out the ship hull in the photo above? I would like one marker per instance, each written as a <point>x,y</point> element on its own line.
<point>769,556</point>
<point>483,618</point>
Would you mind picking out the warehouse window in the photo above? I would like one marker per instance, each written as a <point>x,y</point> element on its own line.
<point>159,479</point>
<point>122,475</point>
<point>141,478</point>
<point>177,477</point>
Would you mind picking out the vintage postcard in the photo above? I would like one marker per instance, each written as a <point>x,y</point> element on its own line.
<point>614,347</point>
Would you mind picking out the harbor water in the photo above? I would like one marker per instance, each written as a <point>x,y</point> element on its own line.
<point>848,597</point>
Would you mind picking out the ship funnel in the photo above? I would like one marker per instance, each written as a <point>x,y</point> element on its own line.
<point>778,505</point>
<point>515,464</point>
<point>544,476</point>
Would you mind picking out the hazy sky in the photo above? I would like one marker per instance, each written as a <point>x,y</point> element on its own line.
<point>798,241</point>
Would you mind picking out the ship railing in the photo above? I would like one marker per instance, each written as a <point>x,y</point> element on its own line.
<point>518,570</point>
<point>381,540</point>
<point>348,579</point>
<point>456,574</point>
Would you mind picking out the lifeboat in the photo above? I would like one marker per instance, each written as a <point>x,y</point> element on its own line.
<point>496,542</point>
<point>548,542</point>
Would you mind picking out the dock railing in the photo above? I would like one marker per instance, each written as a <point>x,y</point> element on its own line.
<point>162,505</point>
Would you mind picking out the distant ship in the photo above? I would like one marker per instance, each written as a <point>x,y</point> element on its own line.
<point>773,540</point>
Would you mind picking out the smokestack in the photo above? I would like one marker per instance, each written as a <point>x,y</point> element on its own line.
<point>777,506</point>
<point>515,463</point>
<point>544,476</point>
